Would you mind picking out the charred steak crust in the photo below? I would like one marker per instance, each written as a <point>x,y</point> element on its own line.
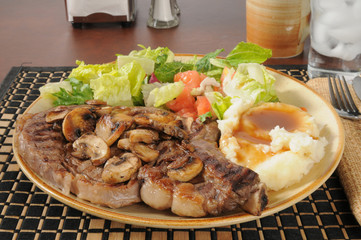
<point>238,180</point>
<point>181,167</point>
<point>43,147</point>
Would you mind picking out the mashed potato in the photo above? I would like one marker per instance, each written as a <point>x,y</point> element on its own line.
<point>280,142</point>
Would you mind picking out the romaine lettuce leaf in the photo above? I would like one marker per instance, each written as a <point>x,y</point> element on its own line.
<point>160,55</point>
<point>251,80</point>
<point>157,94</point>
<point>135,74</point>
<point>146,63</point>
<point>113,88</point>
<point>86,72</point>
<point>219,103</point>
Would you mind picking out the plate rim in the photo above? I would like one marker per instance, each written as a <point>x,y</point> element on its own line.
<point>185,223</point>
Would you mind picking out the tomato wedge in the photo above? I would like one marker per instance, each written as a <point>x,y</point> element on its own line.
<point>184,100</point>
<point>191,79</point>
<point>203,106</point>
<point>185,104</point>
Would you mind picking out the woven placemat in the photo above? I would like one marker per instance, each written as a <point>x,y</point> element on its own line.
<point>349,169</point>
<point>26,212</point>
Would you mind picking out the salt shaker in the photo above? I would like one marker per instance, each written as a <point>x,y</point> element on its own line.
<point>163,14</point>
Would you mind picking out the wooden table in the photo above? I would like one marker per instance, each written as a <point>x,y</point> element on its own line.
<point>36,33</point>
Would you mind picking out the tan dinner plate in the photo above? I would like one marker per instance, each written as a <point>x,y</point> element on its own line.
<point>290,91</point>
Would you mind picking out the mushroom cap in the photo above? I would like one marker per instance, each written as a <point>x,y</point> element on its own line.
<point>77,122</point>
<point>119,169</point>
<point>57,114</point>
<point>90,146</point>
<point>111,126</point>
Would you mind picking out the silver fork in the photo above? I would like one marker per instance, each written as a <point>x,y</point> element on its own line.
<point>341,98</point>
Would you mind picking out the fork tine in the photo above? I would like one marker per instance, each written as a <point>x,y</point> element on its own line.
<point>342,102</point>
<point>332,93</point>
<point>345,100</point>
<point>339,103</point>
<point>349,97</point>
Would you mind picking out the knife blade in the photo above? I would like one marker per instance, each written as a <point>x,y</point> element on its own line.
<point>356,84</point>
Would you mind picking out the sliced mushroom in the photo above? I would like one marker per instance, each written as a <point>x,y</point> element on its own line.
<point>111,126</point>
<point>144,152</point>
<point>142,135</point>
<point>100,111</point>
<point>120,169</point>
<point>164,136</point>
<point>161,121</point>
<point>95,102</point>
<point>185,169</point>
<point>90,146</point>
<point>115,151</point>
<point>57,114</point>
<point>77,122</point>
<point>124,144</point>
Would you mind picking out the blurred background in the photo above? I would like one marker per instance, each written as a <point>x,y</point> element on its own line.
<point>38,32</point>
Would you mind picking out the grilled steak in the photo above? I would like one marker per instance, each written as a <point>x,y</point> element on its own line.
<point>118,156</point>
<point>195,179</point>
<point>233,185</point>
<point>44,148</point>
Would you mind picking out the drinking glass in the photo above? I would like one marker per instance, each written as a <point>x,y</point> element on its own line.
<point>335,38</point>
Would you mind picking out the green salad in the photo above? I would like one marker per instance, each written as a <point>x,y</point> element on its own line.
<point>199,87</point>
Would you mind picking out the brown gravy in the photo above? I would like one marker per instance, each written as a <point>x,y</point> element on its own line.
<point>255,125</point>
<point>242,135</point>
<point>269,119</point>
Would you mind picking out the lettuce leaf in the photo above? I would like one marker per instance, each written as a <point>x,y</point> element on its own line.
<point>158,94</point>
<point>243,53</point>
<point>146,63</point>
<point>121,86</point>
<point>49,89</point>
<point>86,72</point>
<point>112,88</point>
<point>80,93</point>
<point>166,72</point>
<point>248,53</point>
<point>219,103</point>
<point>159,55</point>
<point>204,65</point>
<point>250,80</point>
<point>135,74</point>
<point>205,116</point>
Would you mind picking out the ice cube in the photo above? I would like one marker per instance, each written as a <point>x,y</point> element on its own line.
<point>319,32</point>
<point>344,51</point>
<point>357,10</point>
<point>321,48</point>
<point>332,4</point>
<point>355,49</point>
<point>336,18</point>
<point>349,33</point>
<point>349,51</point>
